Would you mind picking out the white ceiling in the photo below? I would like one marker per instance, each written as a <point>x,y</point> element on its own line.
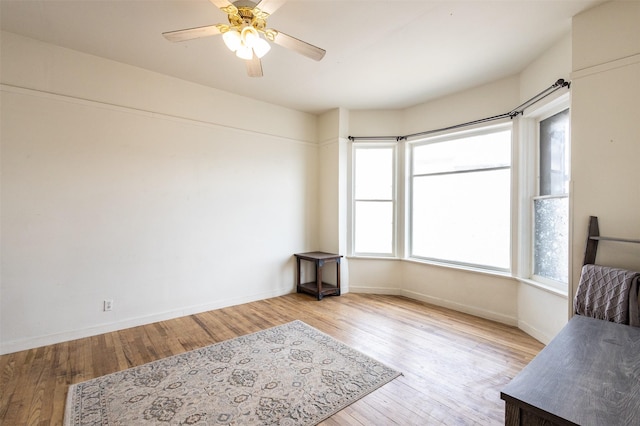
<point>380,54</point>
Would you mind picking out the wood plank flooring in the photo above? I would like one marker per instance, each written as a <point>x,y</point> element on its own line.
<point>454,365</point>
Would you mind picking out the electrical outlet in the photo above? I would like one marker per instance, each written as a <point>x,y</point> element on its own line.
<point>108,305</point>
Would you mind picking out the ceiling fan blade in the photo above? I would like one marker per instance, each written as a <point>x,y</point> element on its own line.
<point>302,47</point>
<point>220,3</point>
<point>268,6</point>
<point>254,67</point>
<point>191,33</point>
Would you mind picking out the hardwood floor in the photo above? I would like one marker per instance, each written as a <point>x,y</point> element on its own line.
<point>454,365</point>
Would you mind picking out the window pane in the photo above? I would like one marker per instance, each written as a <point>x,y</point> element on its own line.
<point>468,153</point>
<point>463,217</point>
<point>554,154</point>
<point>374,173</point>
<point>551,248</point>
<point>374,227</point>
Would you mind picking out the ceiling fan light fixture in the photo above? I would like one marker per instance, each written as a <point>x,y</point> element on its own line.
<point>232,39</point>
<point>244,52</point>
<point>249,35</point>
<point>261,47</point>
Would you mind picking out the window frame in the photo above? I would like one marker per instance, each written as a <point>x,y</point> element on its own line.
<point>353,200</point>
<point>450,136</point>
<point>529,189</point>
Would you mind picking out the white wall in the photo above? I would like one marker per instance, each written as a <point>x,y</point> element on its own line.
<point>605,126</point>
<point>376,276</point>
<point>332,192</point>
<point>117,183</point>
<point>484,295</point>
<point>553,64</point>
<point>328,183</point>
<point>480,102</point>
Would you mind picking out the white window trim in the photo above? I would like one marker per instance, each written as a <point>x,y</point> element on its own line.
<point>395,202</point>
<point>527,190</point>
<point>406,231</point>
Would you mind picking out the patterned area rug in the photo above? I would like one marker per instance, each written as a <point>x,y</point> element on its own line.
<point>287,375</point>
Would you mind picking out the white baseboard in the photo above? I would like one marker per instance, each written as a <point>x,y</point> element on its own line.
<point>534,332</point>
<point>460,307</point>
<point>50,339</point>
<point>467,309</point>
<point>376,290</point>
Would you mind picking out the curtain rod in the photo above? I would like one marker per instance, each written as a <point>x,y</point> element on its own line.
<point>560,83</point>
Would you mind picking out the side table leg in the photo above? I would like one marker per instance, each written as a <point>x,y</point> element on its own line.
<point>298,275</point>
<point>319,265</point>
<point>338,277</point>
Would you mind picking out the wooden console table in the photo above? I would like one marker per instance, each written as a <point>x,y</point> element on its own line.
<point>318,288</point>
<point>588,375</point>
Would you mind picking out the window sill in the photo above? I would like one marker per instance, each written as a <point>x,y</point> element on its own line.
<point>373,257</point>
<point>502,274</point>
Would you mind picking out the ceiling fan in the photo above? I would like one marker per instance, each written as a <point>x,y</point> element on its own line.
<point>243,34</point>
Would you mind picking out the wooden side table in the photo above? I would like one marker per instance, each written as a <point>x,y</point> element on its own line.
<point>318,288</point>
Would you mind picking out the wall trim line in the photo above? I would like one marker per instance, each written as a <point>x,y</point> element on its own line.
<point>141,112</point>
<point>607,66</point>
